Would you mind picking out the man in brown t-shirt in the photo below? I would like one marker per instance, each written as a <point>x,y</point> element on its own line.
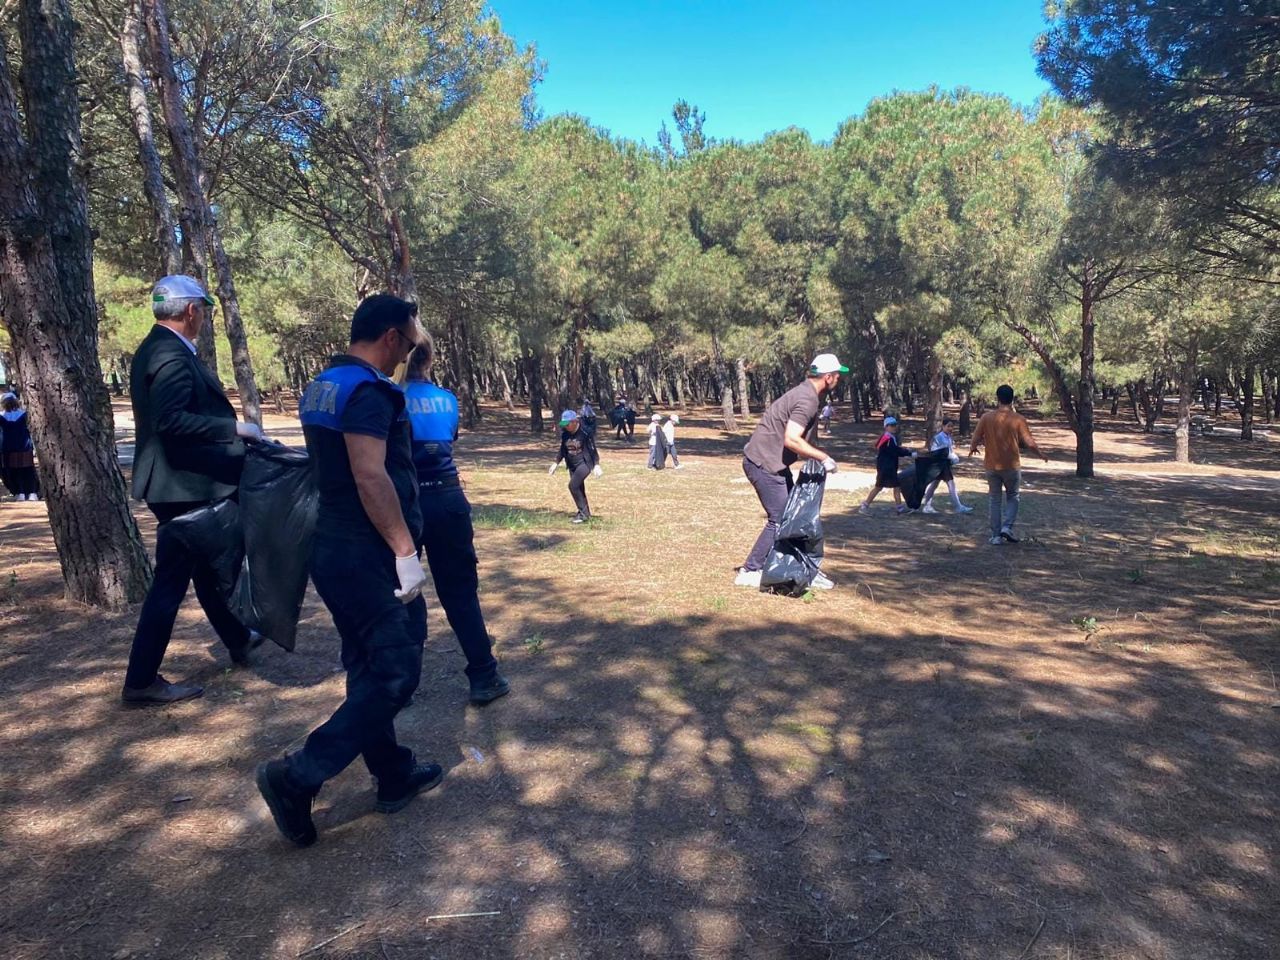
<point>780,439</point>
<point>1002,432</point>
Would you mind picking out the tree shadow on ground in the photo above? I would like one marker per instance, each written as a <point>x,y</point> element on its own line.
<point>766,778</point>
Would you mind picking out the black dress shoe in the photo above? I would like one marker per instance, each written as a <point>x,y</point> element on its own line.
<point>489,690</point>
<point>160,691</point>
<point>393,797</point>
<point>240,655</point>
<point>290,807</point>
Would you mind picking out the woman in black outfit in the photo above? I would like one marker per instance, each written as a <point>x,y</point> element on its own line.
<point>578,451</point>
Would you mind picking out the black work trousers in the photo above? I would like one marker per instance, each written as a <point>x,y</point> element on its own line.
<point>578,487</point>
<point>448,539</point>
<point>176,568</point>
<point>382,642</point>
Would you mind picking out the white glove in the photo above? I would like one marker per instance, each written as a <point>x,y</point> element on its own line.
<point>914,454</point>
<point>249,431</point>
<point>829,465</point>
<point>553,468</point>
<point>597,472</point>
<point>412,577</point>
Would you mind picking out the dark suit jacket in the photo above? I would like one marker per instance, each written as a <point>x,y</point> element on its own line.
<point>187,449</point>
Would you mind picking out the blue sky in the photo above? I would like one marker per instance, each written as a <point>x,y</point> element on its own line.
<point>756,66</point>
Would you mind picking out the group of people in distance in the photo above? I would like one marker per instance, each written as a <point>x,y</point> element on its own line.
<point>783,437</point>
<point>581,457</point>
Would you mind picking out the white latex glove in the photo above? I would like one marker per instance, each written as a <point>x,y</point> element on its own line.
<point>553,468</point>
<point>829,465</point>
<point>412,577</point>
<point>597,472</point>
<point>249,431</point>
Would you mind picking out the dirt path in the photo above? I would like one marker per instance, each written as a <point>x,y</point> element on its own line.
<point>1066,749</point>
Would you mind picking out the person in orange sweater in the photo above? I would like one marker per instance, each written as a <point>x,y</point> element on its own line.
<point>1001,433</point>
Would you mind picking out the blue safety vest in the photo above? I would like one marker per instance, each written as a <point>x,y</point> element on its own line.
<point>326,396</point>
<point>433,415</point>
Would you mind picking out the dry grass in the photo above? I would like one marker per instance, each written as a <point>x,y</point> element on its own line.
<point>932,761</point>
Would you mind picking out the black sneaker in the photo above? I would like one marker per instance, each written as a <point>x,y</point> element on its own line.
<point>1007,536</point>
<point>290,807</point>
<point>395,797</point>
<point>489,690</point>
<point>159,691</point>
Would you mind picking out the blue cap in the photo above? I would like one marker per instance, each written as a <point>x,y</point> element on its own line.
<point>890,421</point>
<point>567,418</point>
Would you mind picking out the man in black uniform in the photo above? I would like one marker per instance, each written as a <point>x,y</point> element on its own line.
<point>365,566</point>
<point>189,453</point>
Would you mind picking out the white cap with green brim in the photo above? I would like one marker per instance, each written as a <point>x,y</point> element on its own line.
<point>826,363</point>
<point>179,287</point>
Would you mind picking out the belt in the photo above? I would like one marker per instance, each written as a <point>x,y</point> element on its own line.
<point>444,484</point>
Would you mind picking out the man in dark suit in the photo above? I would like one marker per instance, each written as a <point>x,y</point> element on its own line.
<point>189,453</point>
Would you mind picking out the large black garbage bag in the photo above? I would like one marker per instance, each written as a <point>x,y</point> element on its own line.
<point>278,500</point>
<point>214,534</point>
<point>658,452</point>
<point>915,479</point>
<point>797,551</point>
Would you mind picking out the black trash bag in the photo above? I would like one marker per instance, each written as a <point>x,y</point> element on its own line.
<point>214,534</point>
<point>658,452</point>
<point>914,480</point>
<point>802,518</point>
<point>796,555</point>
<point>278,501</point>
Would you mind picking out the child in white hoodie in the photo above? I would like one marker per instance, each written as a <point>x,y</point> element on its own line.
<point>942,441</point>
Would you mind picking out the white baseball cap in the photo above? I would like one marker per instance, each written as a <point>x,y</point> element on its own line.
<point>826,363</point>
<point>179,287</point>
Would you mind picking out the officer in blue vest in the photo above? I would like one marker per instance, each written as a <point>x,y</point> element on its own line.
<point>364,564</point>
<point>447,536</point>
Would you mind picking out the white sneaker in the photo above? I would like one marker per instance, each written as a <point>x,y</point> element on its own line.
<point>864,509</point>
<point>961,508</point>
<point>928,508</point>
<point>820,581</point>
<point>995,541</point>
<point>747,578</point>
<point>679,466</point>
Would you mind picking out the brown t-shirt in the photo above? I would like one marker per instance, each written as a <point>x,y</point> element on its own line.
<point>798,405</point>
<point>1001,432</point>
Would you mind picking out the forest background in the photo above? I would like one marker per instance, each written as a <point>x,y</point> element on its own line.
<point>1117,241</point>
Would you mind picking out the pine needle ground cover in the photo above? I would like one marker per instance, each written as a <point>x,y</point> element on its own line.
<point>1061,749</point>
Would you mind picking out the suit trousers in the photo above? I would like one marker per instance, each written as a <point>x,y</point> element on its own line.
<point>382,641</point>
<point>449,542</point>
<point>176,568</point>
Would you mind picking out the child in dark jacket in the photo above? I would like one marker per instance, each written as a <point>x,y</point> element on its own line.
<point>888,452</point>
<point>17,456</point>
<point>578,451</point>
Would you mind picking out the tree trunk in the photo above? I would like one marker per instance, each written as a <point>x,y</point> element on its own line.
<point>742,389</point>
<point>185,162</point>
<point>1087,387</point>
<point>464,370</point>
<point>47,302</point>
<point>533,374</point>
<point>241,363</point>
<point>1132,390</point>
<point>722,384</point>
<point>1246,406</point>
<point>166,235</point>
<point>506,389</point>
<point>933,404</point>
<point>1186,394</point>
<point>1268,395</point>
<point>965,426</point>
